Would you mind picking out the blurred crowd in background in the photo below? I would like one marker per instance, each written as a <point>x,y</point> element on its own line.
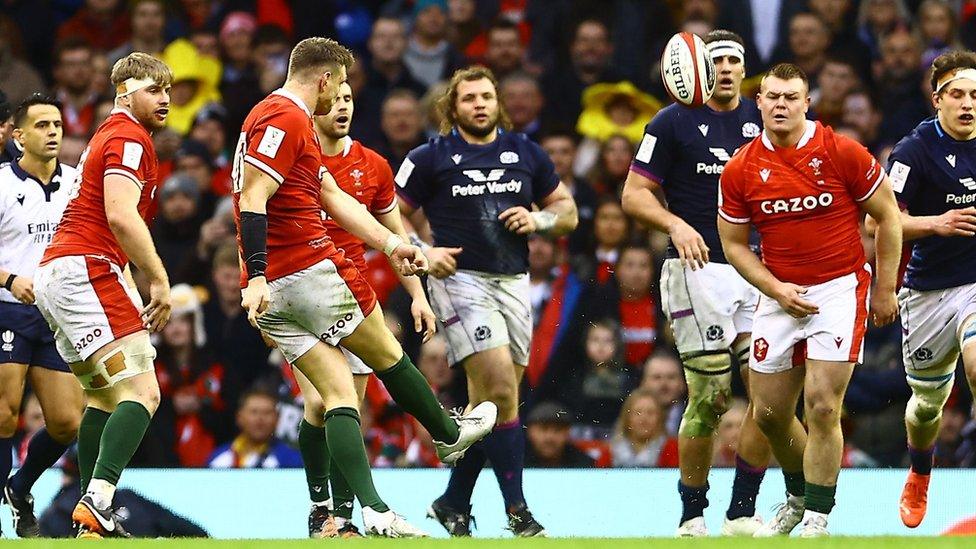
<point>580,77</point>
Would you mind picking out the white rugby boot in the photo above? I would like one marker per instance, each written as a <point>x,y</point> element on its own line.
<point>814,525</point>
<point>742,526</point>
<point>692,528</point>
<point>788,515</point>
<point>472,426</point>
<point>389,525</point>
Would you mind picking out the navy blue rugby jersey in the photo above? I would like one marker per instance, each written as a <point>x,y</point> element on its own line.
<point>463,187</point>
<point>685,150</point>
<point>932,173</point>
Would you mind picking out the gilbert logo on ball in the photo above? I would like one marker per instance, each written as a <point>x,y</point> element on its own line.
<point>687,70</point>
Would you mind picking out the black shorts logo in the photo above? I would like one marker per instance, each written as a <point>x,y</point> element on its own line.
<point>336,328</point>
<point>922,354</point>
<point>714,333</point>
<point>482,333</point>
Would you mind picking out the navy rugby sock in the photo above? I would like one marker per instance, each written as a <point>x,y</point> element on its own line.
<point>464,475</point>
<point>505,447</point>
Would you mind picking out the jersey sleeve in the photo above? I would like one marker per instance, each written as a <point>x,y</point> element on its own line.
<point>385,198</point>
<point>904,171</point>
<point>544,178</point>
<point>274,143</point>
<point>413,179</point>
<point>654,156</point>
<point>732,204</point>
<point>862,172</point>
<point>127,156</point>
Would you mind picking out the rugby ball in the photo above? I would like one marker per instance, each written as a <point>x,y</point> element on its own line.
<point>687,70</point>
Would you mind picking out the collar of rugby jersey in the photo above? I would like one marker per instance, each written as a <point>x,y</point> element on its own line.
<point>294,99</point>
<point>809,131</point>
<point>48,188</point>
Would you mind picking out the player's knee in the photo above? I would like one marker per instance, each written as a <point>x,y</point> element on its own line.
<point>769,420</point>
<point>709,382</point>
<point>928,398</point>
<point>314,407</point>
<point>63,427</point>
<point>504,395</point>
<point>822,411</point>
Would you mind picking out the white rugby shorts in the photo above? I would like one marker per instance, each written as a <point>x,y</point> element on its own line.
<point>87,303</point>
<point>835,334</point>
<point>930,324</point>
<point>480,311</point>
<point>706,307</point>
<point>320,303</point>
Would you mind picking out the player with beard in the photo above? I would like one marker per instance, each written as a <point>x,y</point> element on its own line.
<point>709,305</point>
<point>366,176</point>
<point>85,292</point>
<point>302,293</point>
<point>477,185</point>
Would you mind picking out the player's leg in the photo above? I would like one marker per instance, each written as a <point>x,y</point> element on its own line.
<point>316,460</point>
<point>342,494</point>
<point>372,342</point>
<point>61,401</point>
<point>752,457</point>
<point>12,378</point>
<point>824,387</point>
<point>774,399</point>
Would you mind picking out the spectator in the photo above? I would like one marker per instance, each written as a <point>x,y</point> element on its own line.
<point>664,379</point>
<point>195,411</point>
<point>561,147</point>
<point>598,383</point>
<point>195,81</point>
<point>8,147</point>
<point>466,31</point>
<point>629,301</point>
<point>522,97</point>
<point>612,164</point>
<point>898,74</point>
<point>102,24</point>
<point>809,41</point>
<point>611,110</point>
<point>206,42</point>
<point>239,84</point>
<point>385,72</point>
<point>938,30</point>
<point>611,227</point>
<point>765,25</point>
<point>542,272</point>
<point>18,80</point>
<point>861,114</point>
<point>949,439</point>
<point>176,228</point>
<point>270,50</point>
<point>148,25</point>
<point>193,158</point>
<point>549,445</point>
<point>727,434</point>
<point>73,77</point>
<point>402,127</point>
<point>640,439</point>
<point>208,128</point>
<point>589,62</point>
<point>231,338</point>
<point>876,19</point>
<point>256,446</point>
<point>504,53</point>
<point>837,79</point>
<point>429,56</point>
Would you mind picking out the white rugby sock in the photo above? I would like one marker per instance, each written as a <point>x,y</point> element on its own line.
<point>102,492</point>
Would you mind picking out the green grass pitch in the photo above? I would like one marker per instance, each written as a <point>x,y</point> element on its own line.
<point>576,543</point>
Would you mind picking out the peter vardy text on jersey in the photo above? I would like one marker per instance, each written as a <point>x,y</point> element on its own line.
<point>513,186</point>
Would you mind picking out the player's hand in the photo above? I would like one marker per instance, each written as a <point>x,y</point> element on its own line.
<point>156,314</point>
<point>443,262</point>
<point>423,318</point>
<point>690,245</point>
<point>268,341</point>
<point>959,222</point>
<point>788,297</point>
<point>255,299</point>
<point>409,260</point>
<point>884,307</point>
<point>23,290</point>
<point>518,220</point>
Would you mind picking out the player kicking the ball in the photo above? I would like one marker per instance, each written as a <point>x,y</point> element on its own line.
<point>85,293</point>
<point>300,291</point>
<point>803,188</point>
<point>366,176</point>
<point>709,304</point>
<point>931,171</point>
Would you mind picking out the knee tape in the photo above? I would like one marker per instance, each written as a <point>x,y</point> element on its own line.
<point>740,352</point>
<point>709,379</point>
<point>968,333</point>
<point>132,358</point>
<point>929,395</point>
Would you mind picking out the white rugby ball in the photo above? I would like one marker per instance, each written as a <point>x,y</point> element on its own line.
<point>687,70</point>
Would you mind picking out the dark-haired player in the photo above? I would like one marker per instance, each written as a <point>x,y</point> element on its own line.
<point>933,174</point>
<point>709,305</point>
<point>33,196</point>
